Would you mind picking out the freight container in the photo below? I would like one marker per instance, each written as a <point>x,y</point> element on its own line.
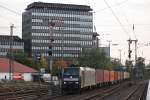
<point>99,76</point>
<point>87,77</point>
<point>116,76</point>
<point>106,76</point>
<point>112,76</point>
<point>124,75</point>
<point>119,76</point>
<point>128,75</point>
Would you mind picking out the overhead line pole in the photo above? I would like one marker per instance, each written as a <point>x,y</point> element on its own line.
<point>130,51</point>
<point>130,41</point>
<point>135,50</point>
<point>136,40</point>
<point>11,69</point>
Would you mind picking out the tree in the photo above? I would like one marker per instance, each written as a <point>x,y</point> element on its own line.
<point>116,65</point>
<point>43,62</point>
<point>21,57</point>
<point>148,66</point>
<point>95,58</point>
<point>139,67</point>
<point>58,66</point>
<point>147,72</point>
<point>129,65</point>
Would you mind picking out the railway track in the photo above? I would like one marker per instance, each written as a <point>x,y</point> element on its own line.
<point>131,92</point>
<point>23,92</point>
<point>137,93</point>
<point>103,94</point>
<point>90,95</point>
<point>32,93</point>
<point>17,95</point>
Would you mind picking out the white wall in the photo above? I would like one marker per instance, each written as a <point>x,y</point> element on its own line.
<point>27,77</point>
<point>4,75</point>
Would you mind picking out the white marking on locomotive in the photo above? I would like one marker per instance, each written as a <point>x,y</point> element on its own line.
<point>71,79</point>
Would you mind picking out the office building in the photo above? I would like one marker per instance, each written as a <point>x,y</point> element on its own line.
<point>71,27</point>
<point>16,42</point>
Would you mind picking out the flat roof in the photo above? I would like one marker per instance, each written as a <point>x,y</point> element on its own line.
<point>8,37</point>
<point>59,6</point>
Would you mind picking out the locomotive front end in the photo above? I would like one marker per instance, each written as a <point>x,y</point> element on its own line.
<point>70,79</point>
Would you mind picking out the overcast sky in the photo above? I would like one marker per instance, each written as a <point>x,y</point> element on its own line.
<point>128,12</point>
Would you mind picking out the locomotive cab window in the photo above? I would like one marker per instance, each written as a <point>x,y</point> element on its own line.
<point>71,71</point>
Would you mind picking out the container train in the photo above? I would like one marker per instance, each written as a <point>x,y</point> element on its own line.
<point>78,78</point>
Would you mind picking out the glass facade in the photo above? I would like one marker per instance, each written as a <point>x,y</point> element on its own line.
<point>17,45</point>
<point>73,29</point>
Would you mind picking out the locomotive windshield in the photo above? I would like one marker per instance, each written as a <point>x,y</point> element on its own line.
<point>71,71</point>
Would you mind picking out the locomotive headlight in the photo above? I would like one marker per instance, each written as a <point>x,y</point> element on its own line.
<point>64,82</point>
<point>77,82</point>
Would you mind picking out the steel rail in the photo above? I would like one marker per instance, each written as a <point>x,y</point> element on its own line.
<point>139,87</point>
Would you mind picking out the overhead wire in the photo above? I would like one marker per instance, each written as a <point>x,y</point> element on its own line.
<point>125,25</point>
<point>134,32</point>
<point>128,22</point>
<point>117,18</point>
<point>117,4</point>
<point>10,10</point>
<point>3,27</point>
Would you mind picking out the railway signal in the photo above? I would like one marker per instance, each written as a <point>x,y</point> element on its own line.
<point>130,51</point>
<point>50,50</point>
<point>38,56</point>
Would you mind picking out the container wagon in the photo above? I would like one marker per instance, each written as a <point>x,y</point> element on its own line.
<point>106,77</point>
<point>111,77</point>
<point>87,76</point>
<point>121,75</point>
<point>99,77</point>
<point>77,78</point>
<point>116,77</point>
<point>126,75</point>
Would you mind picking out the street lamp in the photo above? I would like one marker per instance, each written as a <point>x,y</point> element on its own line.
<point>115,44</point>
<point>120,55</point>
<point>118,50</point>
<point>109,41</point>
